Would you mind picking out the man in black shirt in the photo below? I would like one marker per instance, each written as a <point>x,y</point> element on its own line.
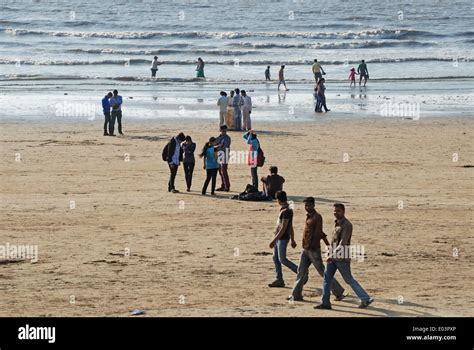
<point>272,183</point>
<point>283,234</point>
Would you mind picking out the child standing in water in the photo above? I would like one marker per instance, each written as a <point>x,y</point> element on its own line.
<point>267,73</point>
<point>352,76</point>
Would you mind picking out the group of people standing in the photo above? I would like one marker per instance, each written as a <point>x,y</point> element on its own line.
<point>337,258</point>
<point>112,108</point>
<point>215,155</point>
<point>235,108</point>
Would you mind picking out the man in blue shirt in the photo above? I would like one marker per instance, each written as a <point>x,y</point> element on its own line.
<point>116,104</point>
<point>224,142</point>
<point>106,108</point>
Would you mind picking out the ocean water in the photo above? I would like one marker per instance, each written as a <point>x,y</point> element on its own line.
<point>416,50</point>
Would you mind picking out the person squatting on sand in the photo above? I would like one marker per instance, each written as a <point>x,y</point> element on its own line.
<point>272,183</point>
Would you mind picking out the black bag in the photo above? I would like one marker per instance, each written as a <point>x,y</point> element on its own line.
<point>260,157</point>
<point>164,155</point>
<point>251,194</point>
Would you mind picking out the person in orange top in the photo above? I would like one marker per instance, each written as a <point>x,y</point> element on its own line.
<point>281,78</point>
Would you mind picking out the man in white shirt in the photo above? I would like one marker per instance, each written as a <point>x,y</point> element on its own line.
<point>246,110</point>
<point>154,66</point>
<point>222,102</point>
<point>237,103</point>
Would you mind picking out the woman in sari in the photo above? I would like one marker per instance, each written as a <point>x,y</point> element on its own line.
<point>200,68</point>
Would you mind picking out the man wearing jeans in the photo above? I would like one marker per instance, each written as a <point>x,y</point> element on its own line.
<point>116,104</point>
<point>311,254</point>
<point>106,108</point>
<point>284,232</point>
<point>338,259</point>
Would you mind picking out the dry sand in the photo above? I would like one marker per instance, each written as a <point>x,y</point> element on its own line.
<point>182,261</point>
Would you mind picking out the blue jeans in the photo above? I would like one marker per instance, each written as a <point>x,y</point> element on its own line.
<point>309,257</point>
<point>279,258</point>
<point>237,118</point>
<point>344,267</point>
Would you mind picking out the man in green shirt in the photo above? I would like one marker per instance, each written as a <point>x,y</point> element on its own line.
<point>364,72</point>
<point>318,71</point>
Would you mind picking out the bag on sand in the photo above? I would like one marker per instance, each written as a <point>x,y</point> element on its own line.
<point>251,194</point>
<point>260,157</point>
<point>164,154</point>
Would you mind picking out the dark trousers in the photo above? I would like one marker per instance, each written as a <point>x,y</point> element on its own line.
<point>173,171</point>
<point>188,174</point>
<point>224,176</point>
<point>107,122</point>
<point>115,115</point>
<point>211,174</point>
<point>254,172</point>
<point>321,104</point>
<point>153,72</point>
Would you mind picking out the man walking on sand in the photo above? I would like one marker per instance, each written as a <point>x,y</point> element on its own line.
<point>281,78</point>
<point>116,103</point>
<point>106,108</point>
<point>311,254</point>
<point>283,234</point>
<point>339,259</point>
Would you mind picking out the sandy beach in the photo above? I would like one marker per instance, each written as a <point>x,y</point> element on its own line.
<point>126,243</point>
